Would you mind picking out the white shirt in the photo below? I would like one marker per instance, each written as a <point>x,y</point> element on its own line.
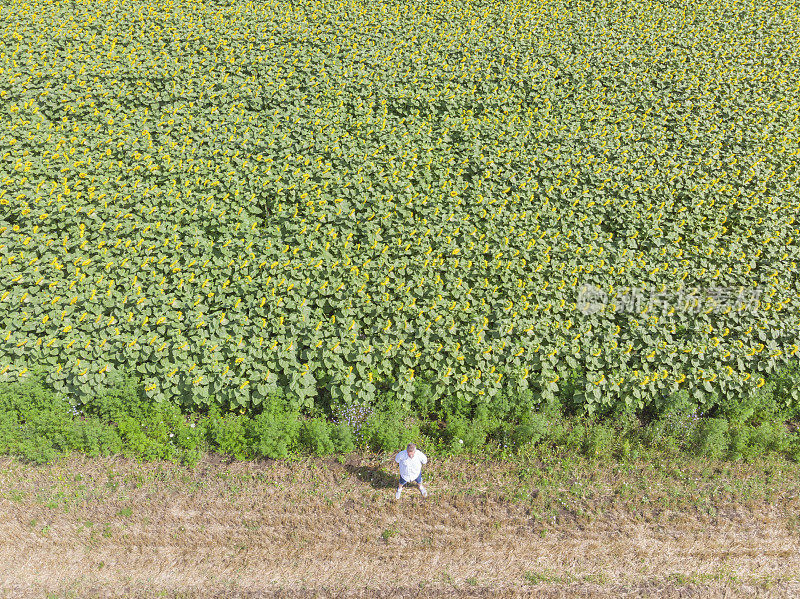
<point>410,468</point>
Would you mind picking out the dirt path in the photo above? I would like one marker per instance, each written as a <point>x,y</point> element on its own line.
<point>114,528</point>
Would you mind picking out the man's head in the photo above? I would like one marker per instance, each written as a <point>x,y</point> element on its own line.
<point>411,449</point>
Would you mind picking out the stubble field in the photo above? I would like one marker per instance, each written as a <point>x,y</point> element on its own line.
<point>553,527</point>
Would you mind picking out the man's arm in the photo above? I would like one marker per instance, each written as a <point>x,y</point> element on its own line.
<point>398,457</point>
<point>422,457</point>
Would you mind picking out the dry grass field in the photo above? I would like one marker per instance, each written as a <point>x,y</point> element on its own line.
<point>552,527</point>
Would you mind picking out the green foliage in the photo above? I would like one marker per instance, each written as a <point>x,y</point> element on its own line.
<point>600,441</point>
<point>424,400</point>
<point>275,432</point>
<point>98,438</point>
<point>123,398</point>
<point>575,434</point>
<point>771,436</point>
<point>29,400</point>
<point>315,437</point>
<point>35,424</point>
<point>676,403</point>
<point>148,430</point>
<point>572,391</point>
<point>673,424</point>
<point>10,430</point>
<point>462,435</point>
<point>786,391</point>
<point>748,441</point>
<point>17,436</point>
<point>338,227</point>
<point>739,445</point>
<point>532,431</point>
<point>229,435</point>
<point>711,438</point>
<point>342,437</point>
<point>389,428</point>
<point>753,406</point>
<point>39,425</point>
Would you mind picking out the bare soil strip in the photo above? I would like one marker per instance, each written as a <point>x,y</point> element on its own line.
<point>327,528</point>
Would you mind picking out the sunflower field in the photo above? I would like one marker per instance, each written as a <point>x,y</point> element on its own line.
<point>337,199</point>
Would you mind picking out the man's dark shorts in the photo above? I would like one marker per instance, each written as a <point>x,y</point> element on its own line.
<point>417,480</point>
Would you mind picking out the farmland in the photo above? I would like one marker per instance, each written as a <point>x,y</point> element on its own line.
<point>553,242</point>
<point>340,200</point>
<point>331,528</point>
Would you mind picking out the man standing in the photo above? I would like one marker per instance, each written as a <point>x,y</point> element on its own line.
<point>411,461</point>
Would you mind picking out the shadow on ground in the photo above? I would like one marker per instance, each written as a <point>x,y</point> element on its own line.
<point>374,475</point>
